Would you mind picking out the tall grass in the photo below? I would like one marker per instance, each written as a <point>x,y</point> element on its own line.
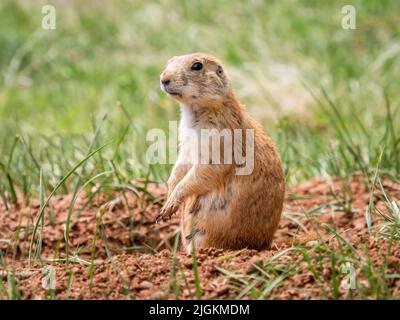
<point>56,85</point>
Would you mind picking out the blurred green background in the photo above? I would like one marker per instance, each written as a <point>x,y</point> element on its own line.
<point>329,97</point>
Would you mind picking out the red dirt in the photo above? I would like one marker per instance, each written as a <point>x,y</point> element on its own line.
<point>140,264</point>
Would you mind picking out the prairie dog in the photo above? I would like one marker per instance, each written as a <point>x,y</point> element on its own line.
<point>219,207</point>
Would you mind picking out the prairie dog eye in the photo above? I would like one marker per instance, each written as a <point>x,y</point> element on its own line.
<point>197,66</point>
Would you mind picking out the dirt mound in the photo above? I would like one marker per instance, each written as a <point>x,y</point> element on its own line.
<point>117,252</point>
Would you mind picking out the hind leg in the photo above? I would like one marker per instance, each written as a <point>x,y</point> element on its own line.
<point>191,233</point>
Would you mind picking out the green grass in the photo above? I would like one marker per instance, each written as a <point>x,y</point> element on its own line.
<point>76,102</point>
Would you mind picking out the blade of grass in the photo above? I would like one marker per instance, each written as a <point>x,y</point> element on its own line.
<point>65,177</point>
<point>198,292</point>
<point>76,188</point>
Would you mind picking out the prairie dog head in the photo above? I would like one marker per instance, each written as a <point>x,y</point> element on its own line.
<point>195,79</point>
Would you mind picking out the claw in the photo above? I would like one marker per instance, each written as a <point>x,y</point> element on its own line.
<point>158,218</point>
<point>166,212</point>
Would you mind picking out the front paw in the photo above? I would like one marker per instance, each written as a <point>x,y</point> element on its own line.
<point>168,209</point>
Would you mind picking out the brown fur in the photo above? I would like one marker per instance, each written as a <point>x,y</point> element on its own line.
<point>218,207</point>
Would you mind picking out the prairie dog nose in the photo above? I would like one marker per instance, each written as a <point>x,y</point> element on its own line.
<point>165,81</point>
<point>165,78</point>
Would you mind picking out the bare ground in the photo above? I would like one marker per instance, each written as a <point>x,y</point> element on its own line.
<point>125,255</point>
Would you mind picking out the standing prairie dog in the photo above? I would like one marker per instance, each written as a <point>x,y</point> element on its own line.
<point>219,207</point>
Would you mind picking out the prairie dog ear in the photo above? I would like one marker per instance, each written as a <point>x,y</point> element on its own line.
<point>220,70</point>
